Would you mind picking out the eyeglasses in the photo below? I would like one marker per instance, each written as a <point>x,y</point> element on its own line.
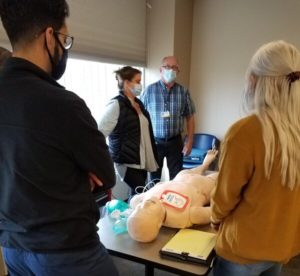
<point>67,42</point>
<point>173,67</point>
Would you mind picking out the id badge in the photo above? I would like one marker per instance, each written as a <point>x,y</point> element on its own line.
<point>165,114</point>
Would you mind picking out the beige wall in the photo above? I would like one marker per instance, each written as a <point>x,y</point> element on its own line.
<point>160,35</point>
<point>183,38</point>
<point>225,35</point>
<point>169,32</point>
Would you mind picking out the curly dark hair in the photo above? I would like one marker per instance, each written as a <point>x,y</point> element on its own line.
<point>126,73</point>
<point>24,19</point>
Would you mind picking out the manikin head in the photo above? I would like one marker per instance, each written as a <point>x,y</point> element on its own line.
<point>146,220</point>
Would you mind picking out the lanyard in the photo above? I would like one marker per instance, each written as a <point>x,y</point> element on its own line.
<point>166,97</point>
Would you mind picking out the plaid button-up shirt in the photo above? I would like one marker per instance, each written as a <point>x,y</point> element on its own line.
<point>167,108</point>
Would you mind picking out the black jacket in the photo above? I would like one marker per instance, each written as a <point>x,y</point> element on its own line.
<point>124,141</point>
<point>48,143</point>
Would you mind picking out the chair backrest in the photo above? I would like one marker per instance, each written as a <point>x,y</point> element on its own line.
<point>202,142</point>
<point>205,141</point>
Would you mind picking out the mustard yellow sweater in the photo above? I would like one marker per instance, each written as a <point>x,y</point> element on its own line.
<point>260,218</point>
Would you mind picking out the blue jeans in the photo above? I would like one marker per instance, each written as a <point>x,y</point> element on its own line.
<point>93,262</point>
<point>223,267</point>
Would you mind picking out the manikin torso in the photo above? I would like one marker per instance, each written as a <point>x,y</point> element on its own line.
<point>194,187</point>
<point>178,203</point>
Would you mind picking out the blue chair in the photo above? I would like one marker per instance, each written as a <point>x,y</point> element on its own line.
<point>202,142</point>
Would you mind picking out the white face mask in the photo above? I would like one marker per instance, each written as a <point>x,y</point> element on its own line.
<point>136,89</point>
<point>169,75</point>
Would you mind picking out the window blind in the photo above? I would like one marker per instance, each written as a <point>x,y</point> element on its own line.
<point>111,30</point>
<point>106,30</point>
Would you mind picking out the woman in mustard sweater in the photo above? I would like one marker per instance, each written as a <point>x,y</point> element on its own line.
<point>255,205</point>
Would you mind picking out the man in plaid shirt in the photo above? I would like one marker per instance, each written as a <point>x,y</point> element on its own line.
<point>169,105</point>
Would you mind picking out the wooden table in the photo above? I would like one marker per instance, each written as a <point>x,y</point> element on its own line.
<point>146,253</point>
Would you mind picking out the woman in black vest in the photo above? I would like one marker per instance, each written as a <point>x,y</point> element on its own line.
<point>127,124</point>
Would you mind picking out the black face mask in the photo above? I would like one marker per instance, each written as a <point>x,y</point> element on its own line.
<point>58,63</point>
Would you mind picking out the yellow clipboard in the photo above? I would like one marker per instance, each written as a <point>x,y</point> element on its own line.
<point>191,245</point>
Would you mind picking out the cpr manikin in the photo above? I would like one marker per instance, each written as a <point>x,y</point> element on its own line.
<point>178,203</point>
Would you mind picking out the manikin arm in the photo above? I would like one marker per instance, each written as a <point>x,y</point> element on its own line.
<point>200,215</point>
<point>209,158</point>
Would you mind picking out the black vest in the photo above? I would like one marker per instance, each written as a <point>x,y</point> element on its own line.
<point>124,141</point>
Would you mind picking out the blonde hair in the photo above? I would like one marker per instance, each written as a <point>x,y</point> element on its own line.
<point>276,101</point>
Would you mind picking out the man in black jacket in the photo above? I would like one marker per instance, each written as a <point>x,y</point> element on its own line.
<point>51,153</point>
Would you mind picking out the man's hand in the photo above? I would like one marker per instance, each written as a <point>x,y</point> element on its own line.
<point>94,181</point>
<point>187,149</point>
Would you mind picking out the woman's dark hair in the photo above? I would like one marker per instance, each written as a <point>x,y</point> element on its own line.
<point>24,19</point>
<point>126,73</point>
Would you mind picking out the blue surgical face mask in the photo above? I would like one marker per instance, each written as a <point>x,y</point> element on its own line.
<point>169,75</point>
<point>136,89</point>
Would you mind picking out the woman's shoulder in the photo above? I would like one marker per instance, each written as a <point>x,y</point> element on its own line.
<point>112,107</point>
<point>247,128</point>
<point>247,123</point>
<point>113,103</point>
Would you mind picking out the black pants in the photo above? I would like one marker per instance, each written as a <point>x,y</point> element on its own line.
<point>172,150</point>
<point>135,178</point>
